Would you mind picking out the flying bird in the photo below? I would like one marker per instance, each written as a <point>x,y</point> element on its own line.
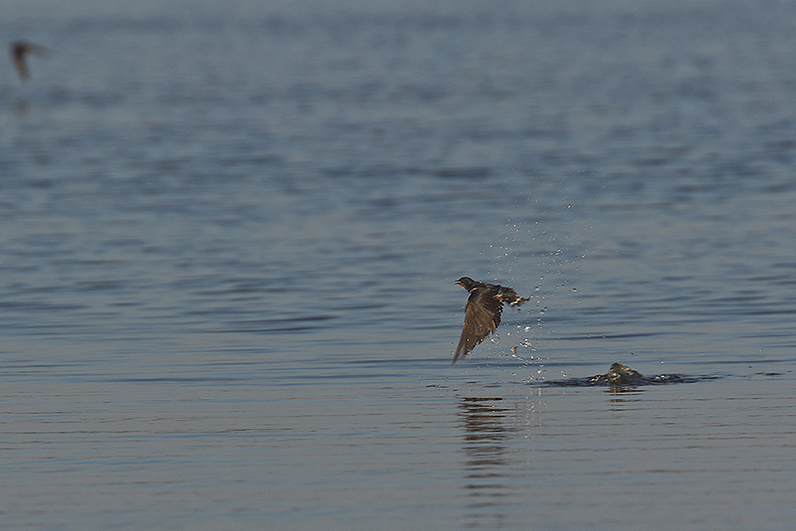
<point>482,312</point>
<point>19,51</point>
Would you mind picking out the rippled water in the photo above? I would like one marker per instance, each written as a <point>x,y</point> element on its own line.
<point>229,237</point>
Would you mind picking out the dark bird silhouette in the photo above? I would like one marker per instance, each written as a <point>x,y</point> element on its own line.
<point>19,52</point>
<point>482,312</point>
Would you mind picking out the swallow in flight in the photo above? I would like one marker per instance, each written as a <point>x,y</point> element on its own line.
<point>19,52</point>
<point>482,312</point>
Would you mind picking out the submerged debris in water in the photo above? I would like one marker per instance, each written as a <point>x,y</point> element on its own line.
<point>622,377</point>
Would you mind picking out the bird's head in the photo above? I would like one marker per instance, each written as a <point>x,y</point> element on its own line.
<point>466,282</point>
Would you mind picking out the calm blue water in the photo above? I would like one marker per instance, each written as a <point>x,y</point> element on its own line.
<point>229,236</point>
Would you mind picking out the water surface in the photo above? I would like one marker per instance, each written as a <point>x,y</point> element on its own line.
<point>229,237</point>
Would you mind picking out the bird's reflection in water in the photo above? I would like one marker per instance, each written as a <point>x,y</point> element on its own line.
<point>486,474</point>
<point>21,107</point>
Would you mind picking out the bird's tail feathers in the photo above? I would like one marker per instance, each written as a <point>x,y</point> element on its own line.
<point>510,296</point>
<point>518,301</point>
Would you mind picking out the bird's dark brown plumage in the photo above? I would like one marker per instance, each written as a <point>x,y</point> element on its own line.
<point>19,50</point>
<point>482,312</point>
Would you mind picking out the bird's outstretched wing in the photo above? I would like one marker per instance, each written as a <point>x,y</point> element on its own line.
<point>481,318</point>
<point>19,51</point>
